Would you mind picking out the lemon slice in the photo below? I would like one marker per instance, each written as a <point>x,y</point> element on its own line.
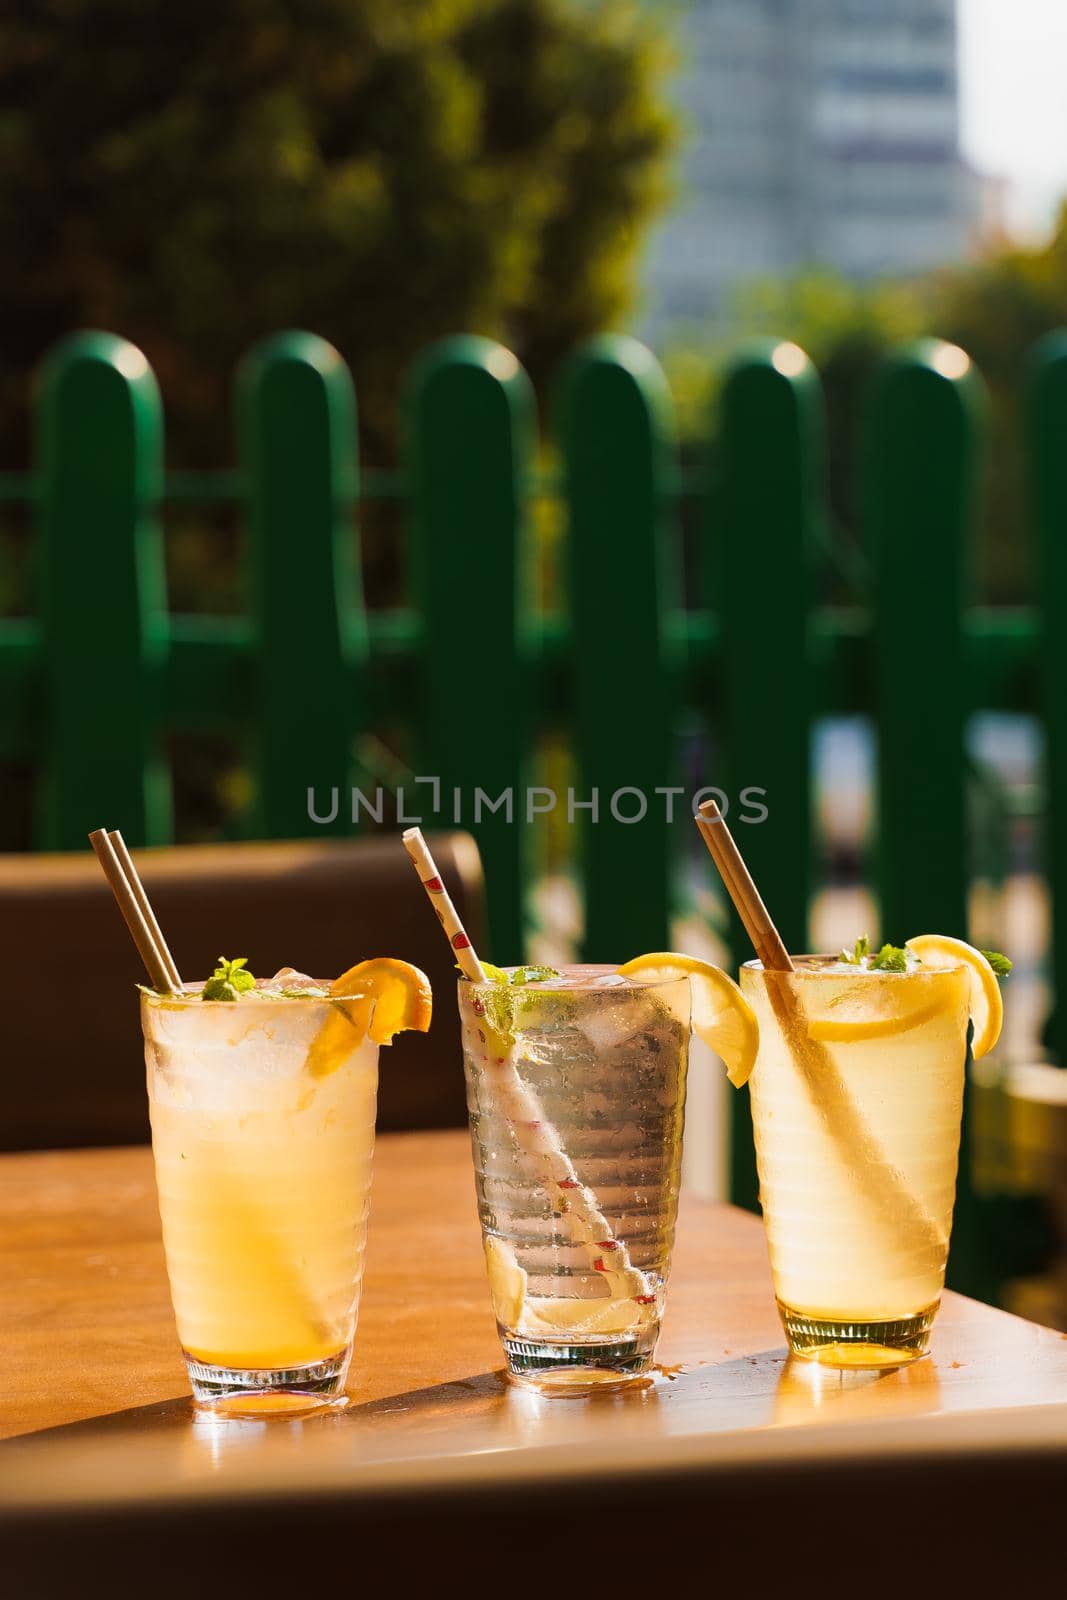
<point>584,1316</point>
<point>831,1030</point>
<point>722,1017</point>
<point>381,997</point>
<point>987,1007</point>
<point>507,1281</point>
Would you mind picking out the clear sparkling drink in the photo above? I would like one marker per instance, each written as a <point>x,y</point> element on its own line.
<point>576,1094</point>
<point>857,1095</point>
<point>263,1154</point>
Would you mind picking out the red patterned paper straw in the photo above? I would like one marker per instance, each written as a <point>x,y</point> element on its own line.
<point>447,915</point>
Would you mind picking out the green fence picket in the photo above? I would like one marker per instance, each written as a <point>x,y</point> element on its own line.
<point>102,596</point>
<point>759,527</point>
<point>617,435</point>
<point>920,501</point>
<point>297,431</point>
<point>1048,446</point>
<point>471,441</point>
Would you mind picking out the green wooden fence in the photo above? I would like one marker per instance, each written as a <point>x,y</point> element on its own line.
<point>89,685</point>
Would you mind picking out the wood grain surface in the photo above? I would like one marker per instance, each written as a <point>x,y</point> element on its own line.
<point>95,1390</point>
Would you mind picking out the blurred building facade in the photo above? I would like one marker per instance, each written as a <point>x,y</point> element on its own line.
<point>818,132</point>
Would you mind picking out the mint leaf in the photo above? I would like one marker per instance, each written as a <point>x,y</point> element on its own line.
<point>1000,963</point>
<point>229,980</point>
<point>530,974</point>
<point>500,1003</point>
<point>859,952</point>
<point>890,958</point>
<point>218,989</point>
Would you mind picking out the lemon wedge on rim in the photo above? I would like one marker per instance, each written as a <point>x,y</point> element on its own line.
<point>986,1005</point>
<point>722,1017</point>
<point>377,999</point>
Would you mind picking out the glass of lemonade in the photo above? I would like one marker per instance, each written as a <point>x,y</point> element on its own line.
<point>857,1095</point>
<point>263,1143</point>
<point>576,1093</point>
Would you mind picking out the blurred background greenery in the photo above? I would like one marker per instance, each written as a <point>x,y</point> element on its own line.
<point>381,171</point>
<point>385,173</point>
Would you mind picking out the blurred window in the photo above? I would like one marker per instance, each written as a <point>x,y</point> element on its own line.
<point>916,80</point>
<point>876,13</point>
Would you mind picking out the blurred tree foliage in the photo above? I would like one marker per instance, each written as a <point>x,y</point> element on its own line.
<point>382,171</point>
<point>996,308</point>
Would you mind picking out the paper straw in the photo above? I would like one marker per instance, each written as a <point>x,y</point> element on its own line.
<point>766,940</point>
<point>133,878</point>
<point>447,915</point>
<point>135,919</point>
<point>579,1213</point>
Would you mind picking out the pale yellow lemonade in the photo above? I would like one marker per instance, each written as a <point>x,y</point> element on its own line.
<point>857,1096</point>
<point>263,1116</point>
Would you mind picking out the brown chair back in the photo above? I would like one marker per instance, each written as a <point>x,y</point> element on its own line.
<point>73,1062</point>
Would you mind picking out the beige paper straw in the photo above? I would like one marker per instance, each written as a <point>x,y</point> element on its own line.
<point>133,878</point>
<point>766,940</point>
<point>128,904</point>
<point>580,1215</point>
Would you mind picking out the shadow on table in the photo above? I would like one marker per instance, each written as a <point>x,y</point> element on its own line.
<point>761,1389</point>
<point>460,1397</point>
<point>160,1414</point>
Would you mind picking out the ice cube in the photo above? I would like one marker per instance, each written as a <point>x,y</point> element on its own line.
<point>608,1026</point>
<point>288,979</point>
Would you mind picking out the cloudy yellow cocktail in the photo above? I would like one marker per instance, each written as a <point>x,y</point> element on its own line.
<point>263,1110</point>
<point>857,1096</point>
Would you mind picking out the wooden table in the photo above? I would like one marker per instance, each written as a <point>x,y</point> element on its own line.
<point>730,1435</point>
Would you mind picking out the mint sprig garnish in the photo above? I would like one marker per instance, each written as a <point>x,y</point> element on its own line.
<point>1000,963</point>
<point>500,1005</point>
<point>521,975</point>
<point>890,958</point>
<point>229,980</point>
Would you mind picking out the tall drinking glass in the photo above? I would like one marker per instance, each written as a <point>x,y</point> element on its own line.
<point>576,1094</point>
<point>857,1094</point>
<point>263,1165</point>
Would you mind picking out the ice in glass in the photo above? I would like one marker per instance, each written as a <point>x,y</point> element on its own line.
<point>576,1093</point>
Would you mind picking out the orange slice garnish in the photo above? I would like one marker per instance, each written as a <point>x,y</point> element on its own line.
<point>377,999</point>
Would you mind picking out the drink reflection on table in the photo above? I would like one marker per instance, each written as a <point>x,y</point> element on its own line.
<point>809,1392</point>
